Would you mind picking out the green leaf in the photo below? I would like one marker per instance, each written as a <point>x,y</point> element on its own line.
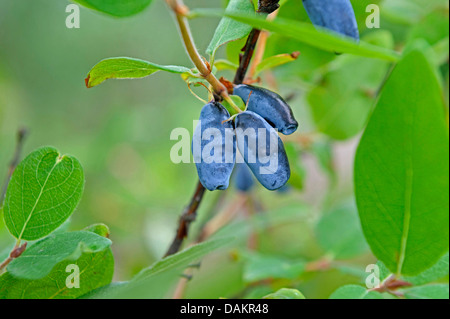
<point>342,102</point>
<point>285,293</point>
<point>436,272</point>
<point>127,68</point>
<point>402,171</point>
<point>438,291</point>
<point>156,280</point>
<point>354,292</point>
<point>305,32</point>
<point>225,65</point>
<point>274,61</point>
<point>44,191</point>
<point>182,258</point>
<point>237,101</point>
<point>117,8</point>
<point>339,232</point>
<point>39,258</point>
<point>228,29</point>
<point>259,267</point>
<point>99,229</point>
<point>96,270</point>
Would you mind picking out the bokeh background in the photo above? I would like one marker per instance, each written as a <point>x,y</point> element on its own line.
<point>120,133</point>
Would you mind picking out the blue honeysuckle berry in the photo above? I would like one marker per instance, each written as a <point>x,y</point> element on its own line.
<point>213,149</point>
<point>335,15</point>
<point>270,106</point>
<point>243,178</point>
<point>266,158</point>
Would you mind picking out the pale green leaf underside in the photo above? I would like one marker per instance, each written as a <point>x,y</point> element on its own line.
<point>127,68</point>
<point>39,258</point>
<point>96,270</point>
<point>437,291</point>
<point>436,272</point>
<point>43,192</point>
<point>306,33</point>
<point>354,292</point>
<point>117,8</point>
<point>285,293</point>
<point>402,171</point>
<point>229,29</point>
<point>259,267</point>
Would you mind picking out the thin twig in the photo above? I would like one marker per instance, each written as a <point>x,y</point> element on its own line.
<point>266,7</point>
<point>21,135</point>
<point>181,11</point>
<point>188,216</point>
<point>245,58</point>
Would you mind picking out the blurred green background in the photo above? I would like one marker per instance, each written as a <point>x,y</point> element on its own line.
<point>120,133</point>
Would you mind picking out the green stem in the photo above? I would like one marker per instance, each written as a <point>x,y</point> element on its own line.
<point>181,11</point>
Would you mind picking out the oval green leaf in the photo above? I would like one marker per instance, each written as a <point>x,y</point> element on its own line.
<point>39,258</point>
<point>275,61</point>
<point>43,192</point>
<point>286,293</point>
<point>402,171</point>
<point>95,271</point>
<point>438,291</point>
<point>127,68</point>
<point>229,29</point>
<point>117,8</point>
<point>355,292</point>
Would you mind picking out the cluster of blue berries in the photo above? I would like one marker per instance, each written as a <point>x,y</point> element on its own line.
<point>252,132</point>
<point>266,113</point>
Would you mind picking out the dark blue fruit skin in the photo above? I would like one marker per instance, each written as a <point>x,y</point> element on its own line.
<point>214,176</point>
<point>335,15</point>
<point>243,178</point>
<point>279,177</point>
<point>270,106</point>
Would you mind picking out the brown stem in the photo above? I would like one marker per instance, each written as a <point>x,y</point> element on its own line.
<point>21,135</point>
<point>188,216</point>
<point>391,285</point>
<point>266,7</point>
<point>15,253</point>
<point>245,59</point>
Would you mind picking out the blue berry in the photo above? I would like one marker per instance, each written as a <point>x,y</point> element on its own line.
<point>243,178</point>
<point>213,157</point>
<point>270,106</point>
<point>335,15</point>
<point>266,159</point>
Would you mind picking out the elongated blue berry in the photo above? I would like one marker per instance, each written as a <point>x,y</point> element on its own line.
<point>214,147</point>
<point>270,106</point>
<point>262,150</point>
<point>243,178</point>
<point>335,15</point>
